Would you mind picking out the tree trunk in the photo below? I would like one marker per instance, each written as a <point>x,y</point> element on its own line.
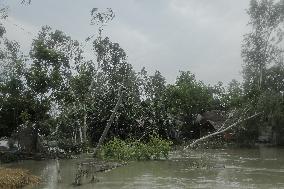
<point>84,126</point>
<point>260,77</point>
<point>102,138</point>
<point>80,135</point>
<point>221,131</point>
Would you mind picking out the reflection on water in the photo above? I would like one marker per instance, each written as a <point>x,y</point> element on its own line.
<point>51,176</point>
<point>230,168</point>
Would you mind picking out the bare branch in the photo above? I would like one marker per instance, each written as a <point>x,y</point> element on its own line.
<point>26,2</point>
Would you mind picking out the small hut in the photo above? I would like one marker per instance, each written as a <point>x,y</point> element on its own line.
<point>28,139</point>
<point>210,121</point>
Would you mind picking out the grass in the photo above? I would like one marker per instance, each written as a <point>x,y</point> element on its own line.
<point>16,178</point>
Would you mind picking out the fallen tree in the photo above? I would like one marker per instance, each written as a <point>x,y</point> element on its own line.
<point>222,130</point>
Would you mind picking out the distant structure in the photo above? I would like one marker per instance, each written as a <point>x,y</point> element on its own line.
<point>210,121</point>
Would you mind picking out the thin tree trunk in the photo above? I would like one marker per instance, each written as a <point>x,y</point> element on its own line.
<point>221,131</point>
<point>84,126</point>
<point>75,137</point>
<point>102,138</point>
<point>80,135</point>
<point>260,77</point>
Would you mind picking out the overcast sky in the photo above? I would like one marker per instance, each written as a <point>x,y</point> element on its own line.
<point>202,36</point>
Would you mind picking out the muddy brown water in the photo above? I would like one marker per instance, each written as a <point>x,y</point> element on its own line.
<point>221,168</point>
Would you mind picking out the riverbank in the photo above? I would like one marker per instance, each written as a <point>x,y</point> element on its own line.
<point>13,156</point>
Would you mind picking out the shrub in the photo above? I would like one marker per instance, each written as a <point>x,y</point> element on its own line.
<point>117,149</point>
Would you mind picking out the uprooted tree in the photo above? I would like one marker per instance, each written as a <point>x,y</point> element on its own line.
<point>225,127</point>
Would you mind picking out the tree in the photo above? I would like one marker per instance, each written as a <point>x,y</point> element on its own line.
<point>234,95</point>
<point>262,52</point>
<point>3,15</point>
<point>12,87</point>
<point>113,71</point>
<point>271,102</point>
<point>185,100</point>
<point>261,47</point>
<point>218,92</point>
<point>153,111</point>
<point>54,56</point>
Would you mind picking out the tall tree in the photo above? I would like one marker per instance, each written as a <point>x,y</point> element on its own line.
<point>55,57</point>
<point>186,99</point>
<point>262,46</point>
<point>12,87</point>
<point>262,53</point>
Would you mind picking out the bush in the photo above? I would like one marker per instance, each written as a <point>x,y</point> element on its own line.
<point>117,149</point>
<point>7,157</point>
<point>72,148</point>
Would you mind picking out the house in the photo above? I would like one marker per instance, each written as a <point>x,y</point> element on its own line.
<point>4,144</point>
<point>209,122</point>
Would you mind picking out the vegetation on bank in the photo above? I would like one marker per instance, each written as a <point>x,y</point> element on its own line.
<point>16,178</point>
<point>156,148</point>
<point>56,93</point>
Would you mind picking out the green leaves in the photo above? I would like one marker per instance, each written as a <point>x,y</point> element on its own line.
<point>189,97</point>
<point>261,47</point>
<point>262,52</point>
<point>156,148</point>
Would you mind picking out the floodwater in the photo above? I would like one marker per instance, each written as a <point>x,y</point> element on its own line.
<point>221,168</point>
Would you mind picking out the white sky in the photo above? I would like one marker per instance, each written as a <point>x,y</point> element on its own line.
<point>202,36</point>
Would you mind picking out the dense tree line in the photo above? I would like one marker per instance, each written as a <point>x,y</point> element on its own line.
<point>262,53</point>
<point>59,93</point>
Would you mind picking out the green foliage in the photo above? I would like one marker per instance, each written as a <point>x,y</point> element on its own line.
<point>117,149</point>
<point>227,97</point>
<point>272,104</point>
<point>189,97</point>
<point>185,100</point>
<point>262,52</point>
<point>262,46</point>
<point>55,88</point>
<point>71,148</point>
